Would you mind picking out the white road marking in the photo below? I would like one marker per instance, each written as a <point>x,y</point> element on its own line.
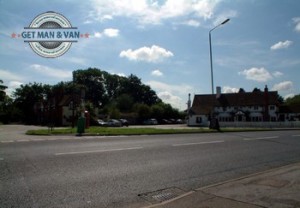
<point>198,143</point>
<point>260,138</point>
<point>97,151</point>
<point>37,140</point>
<point>7,141</point>
<point>295,135</point>
<point>1,158</point>
<point>22,140</point>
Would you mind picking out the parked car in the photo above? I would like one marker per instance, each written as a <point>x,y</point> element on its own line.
<point>101,122</point>
<point>165,121</point>
<point>151,121</point>
<point>113,123</point>
<point>179,121</point>
<point>124,122</point>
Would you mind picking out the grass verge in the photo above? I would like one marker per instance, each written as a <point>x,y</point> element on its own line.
<point>113,131</point>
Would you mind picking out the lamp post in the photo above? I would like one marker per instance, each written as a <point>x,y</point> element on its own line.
<point>210,52</point>
<point>214,124</point>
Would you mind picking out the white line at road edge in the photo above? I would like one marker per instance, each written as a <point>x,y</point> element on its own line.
<point>97,151</point>
<point>249,139</point>
<point>295,135</point>
<point>199,143</point>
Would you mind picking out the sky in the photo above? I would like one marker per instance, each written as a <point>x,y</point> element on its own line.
<point>163,42</point>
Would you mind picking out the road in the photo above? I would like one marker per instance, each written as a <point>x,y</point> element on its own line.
<point>67,171</point>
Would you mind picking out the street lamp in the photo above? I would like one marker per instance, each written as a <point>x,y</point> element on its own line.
<point>211,63</point>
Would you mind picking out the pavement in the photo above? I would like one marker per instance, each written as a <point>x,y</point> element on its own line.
<point>275,188</point>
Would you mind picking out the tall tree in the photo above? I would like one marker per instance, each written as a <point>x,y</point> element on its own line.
<point>293,100</point>
<point>26,99</point>
<point>93,81</point>
<point>2,91</point>
<point>140,93</point>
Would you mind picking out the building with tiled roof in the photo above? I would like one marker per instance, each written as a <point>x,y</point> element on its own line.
<point>256,106</point>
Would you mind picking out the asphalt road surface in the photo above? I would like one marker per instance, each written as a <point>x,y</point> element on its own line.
<point>81,172</point>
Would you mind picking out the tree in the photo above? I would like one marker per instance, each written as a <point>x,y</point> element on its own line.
<point>241,90</point>
<point>143,111</point>
<point>140,93</point>
<point>125,102</point>
<point>93,81</point>
<point>27,97</point>
<point>112,84</point>
<point>256,90</point>
<point>293,100</point>
<point>2,91</point>
<point>157,111</point>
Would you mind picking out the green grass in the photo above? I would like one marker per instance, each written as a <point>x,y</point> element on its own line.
<point>113,131</point>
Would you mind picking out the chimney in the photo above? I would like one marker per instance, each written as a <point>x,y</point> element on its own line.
<point>266,99</point>
<point>189,102</point>
<point>266,89</point>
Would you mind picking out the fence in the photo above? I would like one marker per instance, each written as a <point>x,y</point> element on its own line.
<point>287,124</point>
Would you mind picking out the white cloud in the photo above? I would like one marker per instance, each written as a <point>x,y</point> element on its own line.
<point>277,74</point>
<point>281,45</point>
<point>157,73</point>
<point>257,74</point>
<point>176,95</point>
<point>192,23</point>
<point>153,54</point>
<point>51,72</point>
<point>167,97</point>
<point>283,86</point>
<point>12,86</point>
<point>108,32</point>
<point>289,96</point>
<point>227,89</point>
<point>97,35</point>
<point>154,11</point>
<point>7,75</point>
<point>111,32</point>
<point>296,20</point>
<point>11,80</point>
<point>182,89</point>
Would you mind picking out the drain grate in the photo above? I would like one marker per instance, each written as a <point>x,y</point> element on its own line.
<point>162,195</point>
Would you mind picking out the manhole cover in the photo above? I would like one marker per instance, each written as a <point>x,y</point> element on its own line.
<point>162,195</point>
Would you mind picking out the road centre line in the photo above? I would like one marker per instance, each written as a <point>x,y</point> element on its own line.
<point>198,143</point>
<point>23,140</point>
<point>97,151</point>
<point>260,138</point>
<point>7,141</point>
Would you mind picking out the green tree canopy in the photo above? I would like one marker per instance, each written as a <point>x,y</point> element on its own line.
<point>27,97</point>
<point>102,87</point>
<point>2,91</point>
<point>293,100</point>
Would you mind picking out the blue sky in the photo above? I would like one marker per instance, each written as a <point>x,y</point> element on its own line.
<point>164,42</point>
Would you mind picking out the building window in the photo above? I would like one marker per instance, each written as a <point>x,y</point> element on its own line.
<point>272,107</point>
<point>255,107</point>
<point>256,118</point>
<point>198,119</point>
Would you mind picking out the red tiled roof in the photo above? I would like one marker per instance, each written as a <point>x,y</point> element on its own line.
<point>202,104</point>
